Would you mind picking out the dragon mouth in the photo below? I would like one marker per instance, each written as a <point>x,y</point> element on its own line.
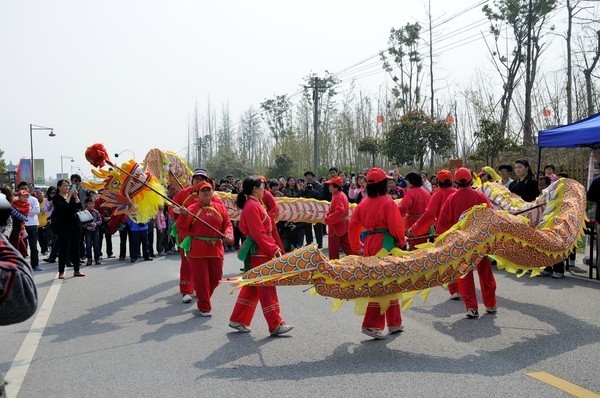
<point>133,186</point>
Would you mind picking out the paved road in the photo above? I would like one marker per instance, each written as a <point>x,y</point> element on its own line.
<point>122,331</point>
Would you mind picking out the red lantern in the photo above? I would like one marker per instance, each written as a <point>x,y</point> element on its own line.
<point>379,118</point>
<point>449,119</point>
<point>546,112</point>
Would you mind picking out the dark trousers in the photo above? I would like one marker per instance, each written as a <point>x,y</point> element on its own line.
<point>238,236</point>
<point>32,241</point>
<point>308,230</point>
<point>151,237</point>
<point>109,247</point>
<point>55,245</point>
<point>68,240</point>
<point>92,243</point>
<point>559,268</point>
<point>81,243</point>
<point>138,237</point>
<point>160,241</point>
<point>123,233</point>
<point>43,239</point>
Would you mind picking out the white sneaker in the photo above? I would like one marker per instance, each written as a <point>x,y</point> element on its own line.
<point>558,275</point>
<point>395,329</point>
<point>491,310</point>
<point>375,333</point>
<point>472,313</point>
<point>455,296</point>
<point>239,327</point>
<point>186,299</point>
<point>205,314</point>
<point>281,329</point>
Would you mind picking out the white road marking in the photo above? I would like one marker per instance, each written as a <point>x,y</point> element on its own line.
<point>18,370</point>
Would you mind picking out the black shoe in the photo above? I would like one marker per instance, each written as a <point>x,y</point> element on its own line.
<point>121,258</point>
<point>98,262</point>
<point>49,260</point>
<point>110,256</point>
<point>148,259</point>
<point>133,260</point>
<point>153,255</point>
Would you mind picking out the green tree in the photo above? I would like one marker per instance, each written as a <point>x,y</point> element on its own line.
<point>404,65</point>
<point>408,141</point>
<point>228,162</point>
<point>276,113</point>
<point>491,142</point>
<point>283,166</point>
<point>525,26</point>
<point>370,145</point>
<point>2,162</point>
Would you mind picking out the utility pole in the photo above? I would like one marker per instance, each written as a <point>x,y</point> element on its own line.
<point>527,133</point>
<point>316,127</point>
<point>316,87</point>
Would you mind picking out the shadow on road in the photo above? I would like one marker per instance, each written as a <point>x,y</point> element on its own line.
<point>94,322</point>
<point>375,356</point>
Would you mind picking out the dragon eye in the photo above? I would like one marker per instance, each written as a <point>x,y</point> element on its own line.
<point>115,183</point>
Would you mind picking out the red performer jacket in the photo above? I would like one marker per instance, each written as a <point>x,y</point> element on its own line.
<point>187,197</point>
<point>432,211</point>
<point>372,214</point>
<point>205,241</point>
<point>413,205</point>
<point>459,202</point>
<point>337,215</point>
<point>270,205</point>
<point>256,223</point>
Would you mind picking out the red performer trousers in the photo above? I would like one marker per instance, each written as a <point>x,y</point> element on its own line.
<point>466,286</point>
<point>453,287</point>
<point>243,311</point>
<point>207,273</point>
<point>186,282</point>
<point>334,246</point>
<point>374,319</point>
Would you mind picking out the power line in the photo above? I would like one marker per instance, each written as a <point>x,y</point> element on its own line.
<point>378,54</point>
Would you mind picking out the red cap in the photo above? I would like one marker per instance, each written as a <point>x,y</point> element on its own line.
<point>202,185</point>
<point>23,192</point>
<point>463,175</point>
<point>375,175</point>
<point>335,181</point>
<point>444,175</point>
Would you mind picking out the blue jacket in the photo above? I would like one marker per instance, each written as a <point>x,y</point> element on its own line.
<point>136,227</point>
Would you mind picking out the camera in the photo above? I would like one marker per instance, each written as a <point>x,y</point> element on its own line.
<point>309,185</point>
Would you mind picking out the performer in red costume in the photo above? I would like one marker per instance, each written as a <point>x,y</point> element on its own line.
<point>186,197</point>
<point>205,252</point>
<point>432,213</point>
<point>413,204</point>
<point>379,216</point>
<point>459,202</point>
<point>259,247</point>
<point>268,201</point>
<point>337,220</point>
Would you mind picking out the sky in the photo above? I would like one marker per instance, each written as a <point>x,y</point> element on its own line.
<point>128,73</point>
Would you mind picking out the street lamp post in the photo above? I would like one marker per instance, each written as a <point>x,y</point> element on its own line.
<point>33,127</point>
<point>62,174</point>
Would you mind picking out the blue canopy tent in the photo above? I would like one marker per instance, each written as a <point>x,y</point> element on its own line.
<point>585,132</point>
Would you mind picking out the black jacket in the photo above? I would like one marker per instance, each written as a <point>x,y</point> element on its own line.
<point>527,189</point>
